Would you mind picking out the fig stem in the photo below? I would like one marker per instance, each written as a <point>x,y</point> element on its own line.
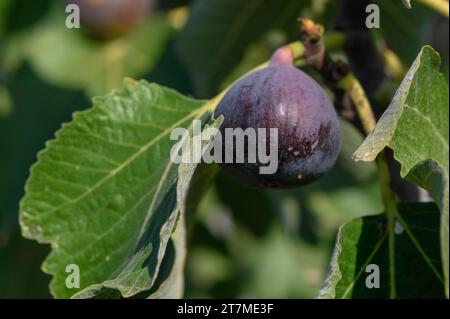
<point>334,39</point>
<point>393,65</point>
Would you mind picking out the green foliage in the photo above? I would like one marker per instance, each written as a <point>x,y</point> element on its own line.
<point>104,194</point>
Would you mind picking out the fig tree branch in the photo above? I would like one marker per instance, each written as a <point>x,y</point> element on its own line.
<point>338,77</point>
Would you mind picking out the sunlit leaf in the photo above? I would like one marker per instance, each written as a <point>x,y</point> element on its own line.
<point>415,126</point>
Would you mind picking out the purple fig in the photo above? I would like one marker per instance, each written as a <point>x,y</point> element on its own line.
<point>107,19</point>
<point>283,97</point>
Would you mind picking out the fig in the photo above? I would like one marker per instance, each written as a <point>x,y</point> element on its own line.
<point>108,19</point>
<point>283,97</point>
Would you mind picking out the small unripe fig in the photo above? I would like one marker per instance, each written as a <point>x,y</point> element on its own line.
<point>283,97</point>
<point>107,19</point>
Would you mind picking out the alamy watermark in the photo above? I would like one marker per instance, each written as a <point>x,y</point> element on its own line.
<point>256,146</point>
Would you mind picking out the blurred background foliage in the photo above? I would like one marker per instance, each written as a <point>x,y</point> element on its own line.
<point>244,242</point>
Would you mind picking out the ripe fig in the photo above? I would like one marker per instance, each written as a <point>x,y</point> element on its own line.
<point>107,19</point>
<point>283,97</point>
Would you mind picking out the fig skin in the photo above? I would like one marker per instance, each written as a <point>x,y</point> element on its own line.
<point>109,19</point>
<point>282,96</point>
